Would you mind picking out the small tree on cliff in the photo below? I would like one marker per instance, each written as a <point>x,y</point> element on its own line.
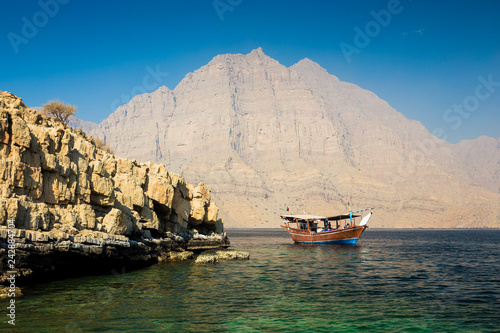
<point>59,110</point>
<point>102,145</point>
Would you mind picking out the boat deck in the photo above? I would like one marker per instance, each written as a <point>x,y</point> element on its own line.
<point>348,235</point>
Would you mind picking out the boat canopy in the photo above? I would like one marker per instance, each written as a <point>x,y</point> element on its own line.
<point>303,217</point>
<point>316,217</point>
<point>341,217</point>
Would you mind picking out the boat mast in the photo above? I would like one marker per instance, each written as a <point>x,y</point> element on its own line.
<point>350,211</point>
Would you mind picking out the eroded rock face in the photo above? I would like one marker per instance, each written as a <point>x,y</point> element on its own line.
<point>66,196</point>
<point>265,136</point>
<point>53,176</point>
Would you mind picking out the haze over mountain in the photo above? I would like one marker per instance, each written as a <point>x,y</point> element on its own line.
<point>264,136</point>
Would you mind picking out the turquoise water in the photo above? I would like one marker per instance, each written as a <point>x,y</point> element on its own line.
<point>393,281</point>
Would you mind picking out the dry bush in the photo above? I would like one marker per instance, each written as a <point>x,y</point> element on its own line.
<point>59,110</point>
<point>100,144</point>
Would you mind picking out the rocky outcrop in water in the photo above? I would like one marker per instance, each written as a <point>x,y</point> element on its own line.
<point>71,208</point>
<point>214,256</point>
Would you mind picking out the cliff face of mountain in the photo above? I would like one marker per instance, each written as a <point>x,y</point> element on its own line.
<point>266,136</point>
<point>61,198</point>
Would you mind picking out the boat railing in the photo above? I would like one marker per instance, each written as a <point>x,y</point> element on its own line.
<point>312,226</point>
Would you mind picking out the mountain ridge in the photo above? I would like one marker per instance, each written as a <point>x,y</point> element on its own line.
<point>272,135</point>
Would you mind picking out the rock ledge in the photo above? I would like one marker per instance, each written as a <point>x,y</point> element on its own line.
<point>71,209</point>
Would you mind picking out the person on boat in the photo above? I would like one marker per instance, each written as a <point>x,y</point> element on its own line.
<point>326,224</point>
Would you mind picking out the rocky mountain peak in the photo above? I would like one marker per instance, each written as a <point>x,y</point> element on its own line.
<point>257,52</point>
<point>256,58</point>
<point>310,68</point>
<point>266,136</point>
<point>308,64</point>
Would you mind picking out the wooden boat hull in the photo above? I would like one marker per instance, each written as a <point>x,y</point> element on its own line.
<point>348,236</point>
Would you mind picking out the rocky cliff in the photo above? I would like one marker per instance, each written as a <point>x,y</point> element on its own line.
<point>265,136</point>
<point>62,199</point>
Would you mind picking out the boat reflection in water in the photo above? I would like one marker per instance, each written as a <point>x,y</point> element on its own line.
<point>319,229</point>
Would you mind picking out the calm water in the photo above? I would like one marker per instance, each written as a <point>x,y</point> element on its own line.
<point>393,281</point>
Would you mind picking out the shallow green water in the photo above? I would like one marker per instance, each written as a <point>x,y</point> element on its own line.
<point>393,281</point>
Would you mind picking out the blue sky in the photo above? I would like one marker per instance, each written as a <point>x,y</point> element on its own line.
<point>429,60</point>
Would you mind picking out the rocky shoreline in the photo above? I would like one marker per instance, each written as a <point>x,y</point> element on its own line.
<point>68,208</point>
<point>45,256</point>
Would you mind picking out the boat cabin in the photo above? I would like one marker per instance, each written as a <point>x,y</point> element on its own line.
<point>314,223</point>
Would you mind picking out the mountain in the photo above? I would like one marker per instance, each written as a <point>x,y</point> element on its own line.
<point>265,136</point>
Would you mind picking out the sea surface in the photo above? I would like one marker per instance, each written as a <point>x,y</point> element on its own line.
<point>392,281</point>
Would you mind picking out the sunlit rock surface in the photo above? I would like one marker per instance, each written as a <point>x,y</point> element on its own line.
<point>264,136</point>
<point>69,200</point>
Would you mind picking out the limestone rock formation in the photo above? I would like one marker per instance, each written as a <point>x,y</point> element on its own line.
<point>265,136</point>
<point>213,256</point>
<point>54,177</point>
<point>63,194</point>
